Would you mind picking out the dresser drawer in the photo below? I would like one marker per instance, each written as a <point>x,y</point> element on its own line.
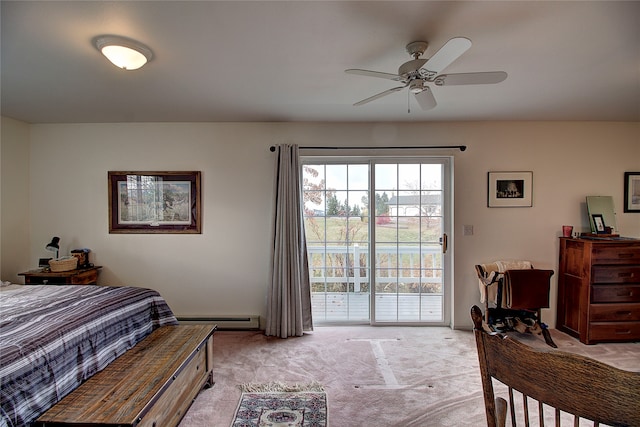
<point>615,293</point>
<point>614,312</point>
<point>614,254</point>
<point>87,278</point>
<point>614,331</point>
<point>616,274</point>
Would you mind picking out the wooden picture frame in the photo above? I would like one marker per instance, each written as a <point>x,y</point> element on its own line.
<point>598,223</point>
<point>510,189</point>
<point>154,202</point>
<point>632,192</point>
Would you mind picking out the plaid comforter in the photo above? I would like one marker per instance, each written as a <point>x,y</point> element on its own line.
<point>52,338</point>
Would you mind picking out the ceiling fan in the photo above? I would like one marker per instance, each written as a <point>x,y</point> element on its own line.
<point>416,73</point>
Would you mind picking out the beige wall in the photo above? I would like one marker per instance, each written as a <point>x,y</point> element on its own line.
<point>14,198</point>
<point>225,270</point>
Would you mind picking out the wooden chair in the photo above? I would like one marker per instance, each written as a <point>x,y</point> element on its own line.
<point>518,294</point>
<point>564,385</point>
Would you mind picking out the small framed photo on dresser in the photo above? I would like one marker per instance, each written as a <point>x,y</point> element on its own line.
<point>598,222</point>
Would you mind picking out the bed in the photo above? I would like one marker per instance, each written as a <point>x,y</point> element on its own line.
<point>53,338</point>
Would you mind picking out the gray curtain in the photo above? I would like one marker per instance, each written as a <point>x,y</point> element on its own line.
<point>289,298</point>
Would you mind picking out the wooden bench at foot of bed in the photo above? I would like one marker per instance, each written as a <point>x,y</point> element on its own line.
<point>151,385</point>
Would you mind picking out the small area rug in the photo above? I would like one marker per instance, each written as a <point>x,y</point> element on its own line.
<point>281,405</point>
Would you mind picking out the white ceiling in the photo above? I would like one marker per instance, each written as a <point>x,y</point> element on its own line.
<point>218,61</point>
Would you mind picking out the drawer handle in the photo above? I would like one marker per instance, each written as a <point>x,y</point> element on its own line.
<point>623,332</point>
<point>625,255</point>
<point>623,313</point>
<point>625,274</point>
<point>625,294</point>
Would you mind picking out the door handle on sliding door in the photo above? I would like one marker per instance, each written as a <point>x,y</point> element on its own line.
<point>444,242</point>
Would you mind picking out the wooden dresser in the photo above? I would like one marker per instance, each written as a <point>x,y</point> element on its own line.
<point>599,290</point>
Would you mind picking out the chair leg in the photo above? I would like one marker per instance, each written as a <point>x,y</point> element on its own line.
<point>486,311</point>
<point>547,338</point>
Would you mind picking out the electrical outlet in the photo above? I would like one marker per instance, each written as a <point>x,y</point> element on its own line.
<point>468,230</point>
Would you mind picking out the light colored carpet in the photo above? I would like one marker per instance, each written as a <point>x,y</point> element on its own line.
<point>373,376</point>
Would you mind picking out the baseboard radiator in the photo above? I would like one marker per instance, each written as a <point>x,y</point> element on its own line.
<point>237,322</point>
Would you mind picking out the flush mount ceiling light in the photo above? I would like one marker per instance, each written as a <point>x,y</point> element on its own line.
<point>124,53</point>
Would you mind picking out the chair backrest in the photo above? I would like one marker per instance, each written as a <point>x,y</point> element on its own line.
<point>563,384</point>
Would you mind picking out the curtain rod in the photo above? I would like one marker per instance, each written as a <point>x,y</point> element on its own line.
<point>431,147</point>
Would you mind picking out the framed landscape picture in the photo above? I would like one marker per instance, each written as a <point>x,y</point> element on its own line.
<point>154,202</point>
<point>510,189</point>
<point>632,191</point>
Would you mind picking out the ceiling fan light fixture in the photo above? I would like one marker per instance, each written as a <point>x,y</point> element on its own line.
<point>416,86</point>
<point>123,52</point>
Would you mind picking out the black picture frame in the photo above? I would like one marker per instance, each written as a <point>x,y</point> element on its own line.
<point>154,202</point>
<point>510,189</point>
<point>632,192</point>
<point>598,223</point>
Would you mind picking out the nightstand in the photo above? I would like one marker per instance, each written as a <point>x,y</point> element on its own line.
<point>80,276</point>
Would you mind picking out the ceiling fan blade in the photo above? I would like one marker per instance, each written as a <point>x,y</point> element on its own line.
<point>426,99</point>
<point>380,95</point>
<point>482,78</point>
<point>370,73</point>
<point>448,53</point>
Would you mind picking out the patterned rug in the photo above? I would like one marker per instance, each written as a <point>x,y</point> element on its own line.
<point>281,405</point>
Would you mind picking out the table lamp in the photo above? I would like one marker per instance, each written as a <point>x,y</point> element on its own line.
<point>54,246</point>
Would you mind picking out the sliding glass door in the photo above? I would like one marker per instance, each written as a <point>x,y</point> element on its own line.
<point>376,234</point>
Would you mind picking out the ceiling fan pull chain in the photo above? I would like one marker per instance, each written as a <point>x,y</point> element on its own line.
<point>408,102</point>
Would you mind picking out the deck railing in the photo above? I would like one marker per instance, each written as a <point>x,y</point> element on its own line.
<point>394,265</point>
